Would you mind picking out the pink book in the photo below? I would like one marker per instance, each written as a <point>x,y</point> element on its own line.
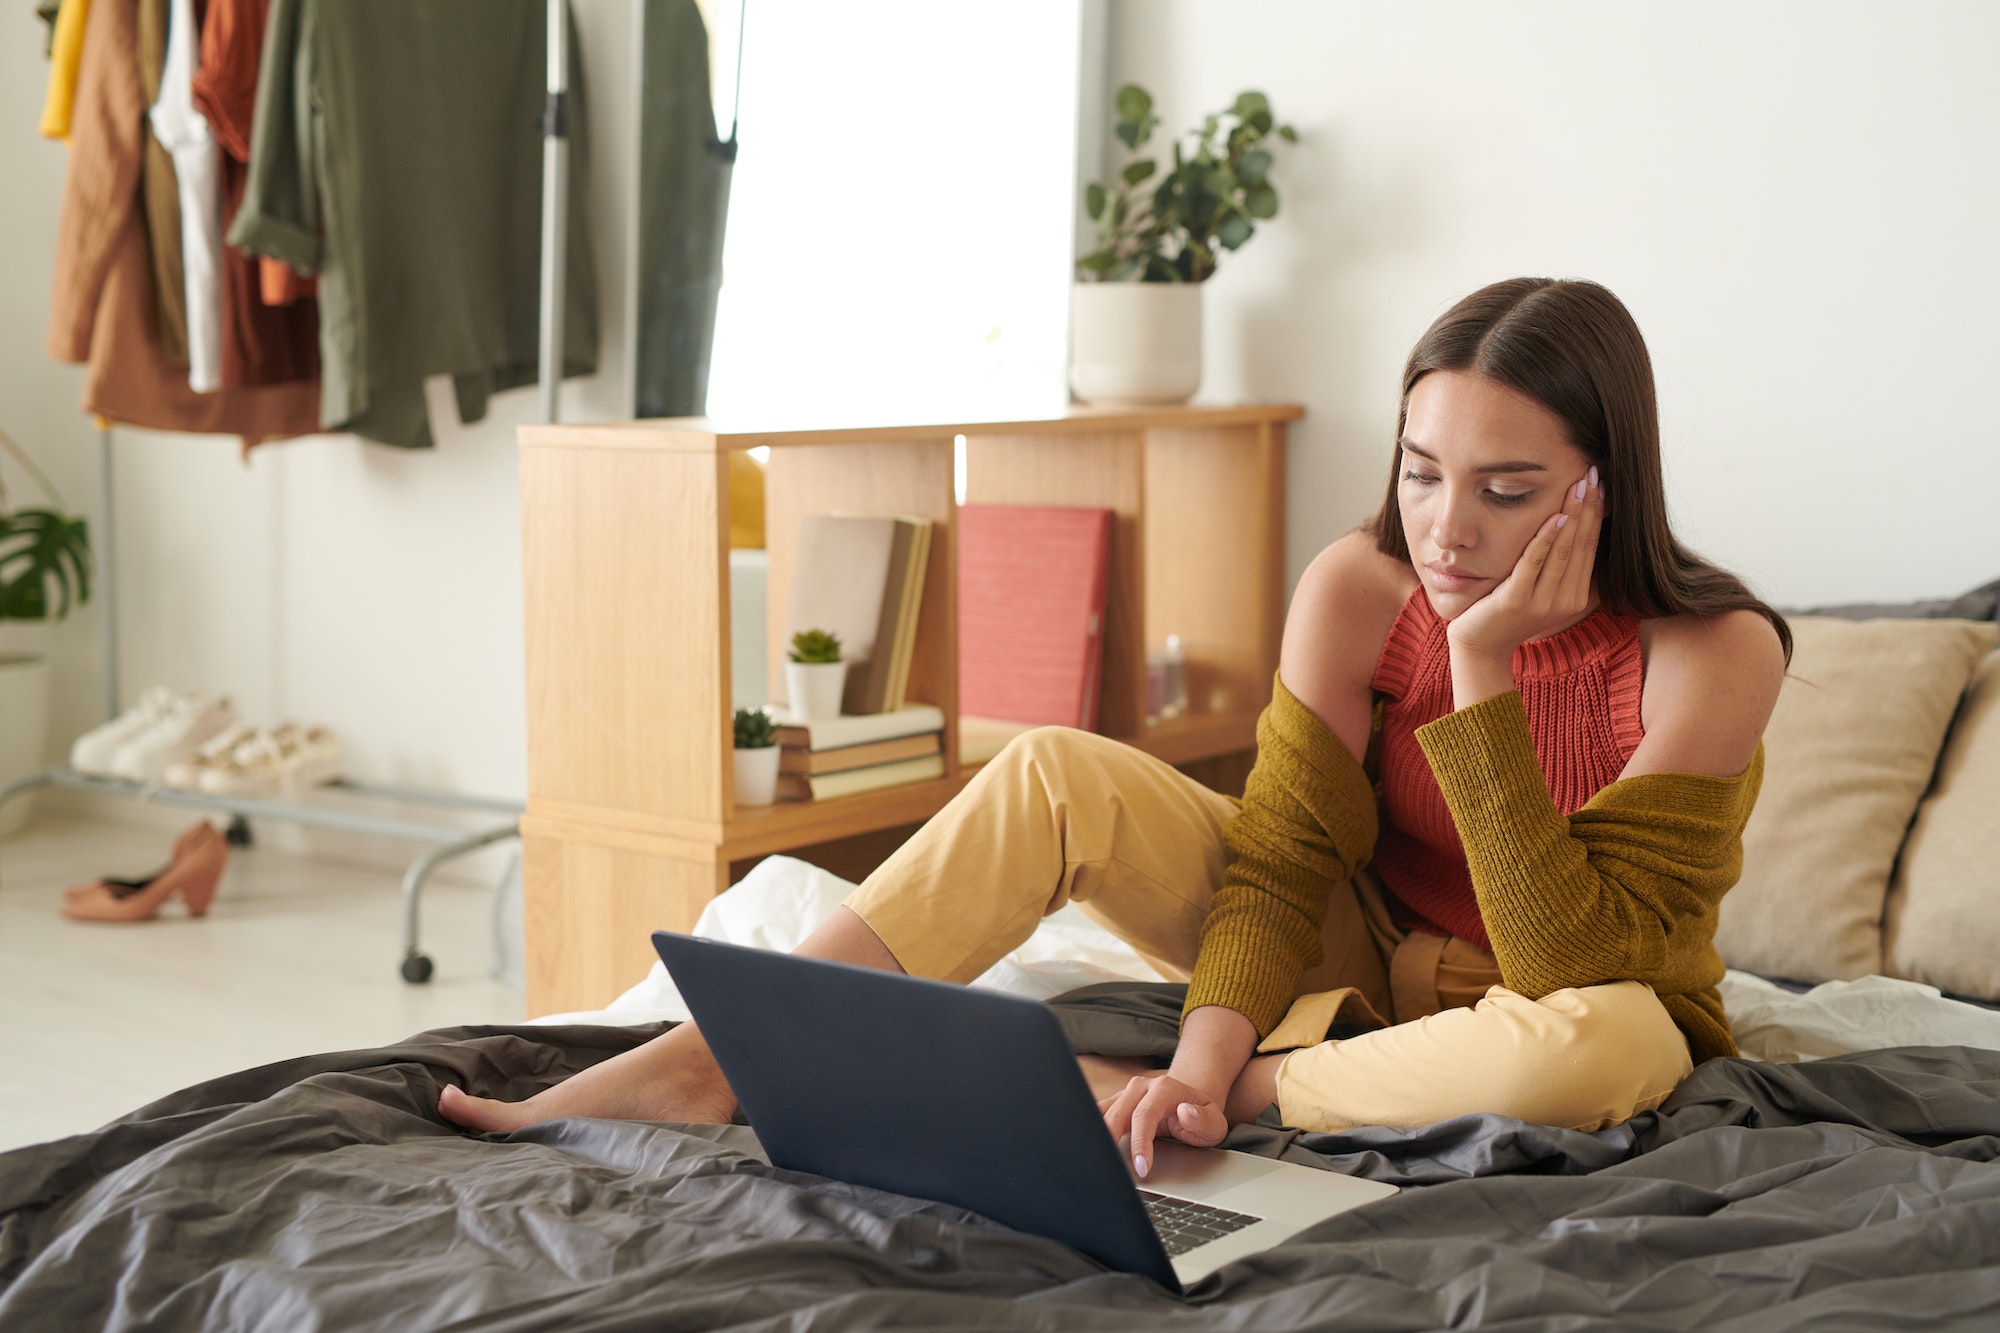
<point>1032,582</point>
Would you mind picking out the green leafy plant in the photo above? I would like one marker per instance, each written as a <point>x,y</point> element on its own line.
<point>41,550</point>
<point>815,646</point>
<point>755,730</point>
<point>1172,229</point>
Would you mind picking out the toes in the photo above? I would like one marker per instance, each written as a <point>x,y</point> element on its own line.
<point>468,1111</point>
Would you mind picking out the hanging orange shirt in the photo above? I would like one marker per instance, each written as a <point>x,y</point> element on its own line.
<point>99,309</point>
<point>263,342</point>
<point>225,88</point>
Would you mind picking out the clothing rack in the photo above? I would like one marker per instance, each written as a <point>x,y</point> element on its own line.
<point>415,965</point>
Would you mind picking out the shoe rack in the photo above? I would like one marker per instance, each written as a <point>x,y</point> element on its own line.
<point>631,823</point>
<point>446,842</point>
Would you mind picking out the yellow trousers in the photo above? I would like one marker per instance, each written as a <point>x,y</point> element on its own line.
<point>1065,816</point>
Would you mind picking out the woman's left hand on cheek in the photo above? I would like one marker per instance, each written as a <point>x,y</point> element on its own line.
<point>1549,588</point>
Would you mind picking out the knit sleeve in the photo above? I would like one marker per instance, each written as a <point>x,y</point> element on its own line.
<point>1308,821</point>
<point>1625,889</point>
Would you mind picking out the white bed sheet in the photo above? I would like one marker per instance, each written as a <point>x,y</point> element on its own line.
<point>781,900</point>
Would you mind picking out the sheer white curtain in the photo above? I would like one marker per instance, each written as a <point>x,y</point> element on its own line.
<point>901,220</point>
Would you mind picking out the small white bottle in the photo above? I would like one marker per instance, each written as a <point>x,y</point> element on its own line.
<point>1166,681</point>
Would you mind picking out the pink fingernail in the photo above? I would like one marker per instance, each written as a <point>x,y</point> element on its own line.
<point>1139,1165</point>
<point>1560,520</point>
<point>1579,490</point>
<point>1593,479</point>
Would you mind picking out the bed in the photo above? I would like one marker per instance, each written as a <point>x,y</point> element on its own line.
<point>1843,1173</point>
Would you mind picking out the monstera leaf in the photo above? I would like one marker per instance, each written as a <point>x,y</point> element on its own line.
<point>42,549</point>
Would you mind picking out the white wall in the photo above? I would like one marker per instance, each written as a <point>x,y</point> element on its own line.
<point>1796,200</point>
<point>37,398</point>
<point>903,188</point>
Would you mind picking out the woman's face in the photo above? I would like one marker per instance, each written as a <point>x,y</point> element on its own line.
<point>1482,467</point>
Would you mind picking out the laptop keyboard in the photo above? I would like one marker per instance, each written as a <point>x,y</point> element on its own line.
<point>1184,1224</point>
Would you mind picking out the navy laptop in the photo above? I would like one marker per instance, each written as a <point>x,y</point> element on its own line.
<point>920,1088</point>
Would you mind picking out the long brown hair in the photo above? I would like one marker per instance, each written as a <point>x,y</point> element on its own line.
<point>1574,348</point>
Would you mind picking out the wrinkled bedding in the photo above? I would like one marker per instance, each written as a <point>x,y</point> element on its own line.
<point>1858,1191</point>
<point>780,902</point>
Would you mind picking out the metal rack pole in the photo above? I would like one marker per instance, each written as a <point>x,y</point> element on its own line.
<point>555,210</point>
<point>107,571</point>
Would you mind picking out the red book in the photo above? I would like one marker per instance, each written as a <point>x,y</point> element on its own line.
<point>1032,582</point>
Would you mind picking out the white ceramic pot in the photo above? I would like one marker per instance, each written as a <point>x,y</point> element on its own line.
<point>814,688</point>
<point>757,776</point>
<point>24,730</point>
<point>1135,342</point>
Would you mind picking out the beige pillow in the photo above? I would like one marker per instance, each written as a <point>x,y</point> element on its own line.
<point>1944,904</point>
<point>1848,753</point>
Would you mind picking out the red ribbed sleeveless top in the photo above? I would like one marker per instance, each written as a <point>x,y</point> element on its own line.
<point>1581,689</point>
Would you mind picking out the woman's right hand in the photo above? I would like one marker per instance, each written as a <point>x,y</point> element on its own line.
<point>1156,1105</point>
<point>1189,1102</point>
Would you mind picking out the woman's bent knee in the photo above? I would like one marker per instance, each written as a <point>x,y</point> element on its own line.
<point>1591,1056</point>
<point>1045,747</point>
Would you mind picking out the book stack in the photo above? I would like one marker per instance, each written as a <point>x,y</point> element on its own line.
<point>861,577</point>
<point>820,758</point>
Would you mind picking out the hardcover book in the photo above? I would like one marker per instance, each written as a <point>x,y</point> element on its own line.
<point>826,786</point>
<point>851,578</point>
<point>831,733</point>
<point>1032,583</point>
<point>814,762</point>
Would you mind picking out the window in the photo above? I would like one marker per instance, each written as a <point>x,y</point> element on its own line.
<point>901,220</point>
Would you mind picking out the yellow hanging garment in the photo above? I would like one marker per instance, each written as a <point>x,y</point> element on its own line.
<point>65,56</point>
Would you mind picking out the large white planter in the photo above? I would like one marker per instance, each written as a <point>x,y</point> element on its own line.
<point>756,775</point>
<point>24,730</point>
<point>1135,342</point>
<point>814,688</point>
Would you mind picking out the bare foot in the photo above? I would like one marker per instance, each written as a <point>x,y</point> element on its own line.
<point>671,1078</point>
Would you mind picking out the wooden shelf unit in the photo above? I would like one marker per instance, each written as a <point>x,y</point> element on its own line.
<point>631,824</point>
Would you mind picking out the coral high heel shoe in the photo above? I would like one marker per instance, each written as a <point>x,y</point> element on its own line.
<point>196,870</point>
<point>125,888</point>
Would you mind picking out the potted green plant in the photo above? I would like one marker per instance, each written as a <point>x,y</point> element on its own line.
<point>756,757</point>
<point>45,570</point>
<point>815,674</point>
<point>1135,331</point>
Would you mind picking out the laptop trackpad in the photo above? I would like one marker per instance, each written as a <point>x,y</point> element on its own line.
<point>1201,1173</point>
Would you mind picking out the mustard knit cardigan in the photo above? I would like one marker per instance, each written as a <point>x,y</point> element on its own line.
<point>1625,889</point>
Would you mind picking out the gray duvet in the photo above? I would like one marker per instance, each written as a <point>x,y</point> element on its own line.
<point>1856,1192</point>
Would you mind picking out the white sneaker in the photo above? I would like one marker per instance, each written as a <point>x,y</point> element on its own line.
<point>313,759</point>
<point>194,719</point>
<point>275,761</point>
<point>95,750</point>
<point>186,773</point>
<point>250,769</point>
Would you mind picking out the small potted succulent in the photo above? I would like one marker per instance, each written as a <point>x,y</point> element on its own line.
<point>814,674</point>
<point>1135,315</point>
<point>45,569</point>
<point>756,757</point>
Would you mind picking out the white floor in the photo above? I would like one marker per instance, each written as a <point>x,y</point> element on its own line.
<point>295,956</point>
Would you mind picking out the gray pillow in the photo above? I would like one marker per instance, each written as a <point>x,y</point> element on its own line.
<point>1982,603</point>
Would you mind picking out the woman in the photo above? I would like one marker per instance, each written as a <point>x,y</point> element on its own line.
<point>1533,709</point>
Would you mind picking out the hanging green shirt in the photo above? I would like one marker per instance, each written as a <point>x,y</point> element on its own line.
<point>396,153</point>
<point>684,172</point>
